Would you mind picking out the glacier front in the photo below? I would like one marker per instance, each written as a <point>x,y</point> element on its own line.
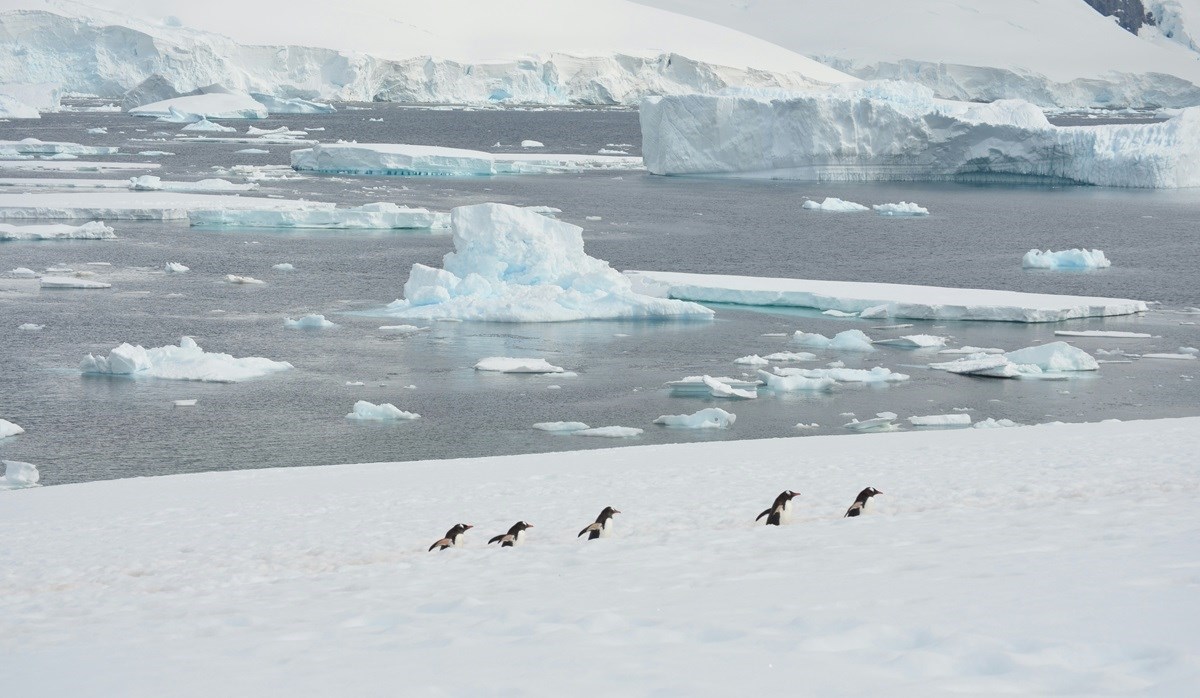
<point>899,132</point>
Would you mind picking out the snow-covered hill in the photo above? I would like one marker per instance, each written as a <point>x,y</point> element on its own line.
<point>547,51</point>
<point>1050,52</point>
<point>1027,561</point>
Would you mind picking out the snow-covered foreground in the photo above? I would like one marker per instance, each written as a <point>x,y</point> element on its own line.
<point>875,300</point>
<point>1054,559</point>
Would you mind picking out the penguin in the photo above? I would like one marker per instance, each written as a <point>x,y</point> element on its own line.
<point>781,511</point>
<point>515,535</point>
<point>602,528</point>
<point>453,537</point>
<point>860,504</point>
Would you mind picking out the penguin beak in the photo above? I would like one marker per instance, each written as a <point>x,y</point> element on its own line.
<point>469,526</point>
<point>528,525</point>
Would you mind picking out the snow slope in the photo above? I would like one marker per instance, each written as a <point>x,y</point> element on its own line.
<point>1027,561</point>
<point>1050,52</point>
<point>601,51</point>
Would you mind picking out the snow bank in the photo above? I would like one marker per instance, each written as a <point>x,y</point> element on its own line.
<point>513,265</point>
<point>377,216</point>
<point>882,300</point>
<point>898,131</point>
<point>309,322</point>
<point>385,412</point>
<point>186,362</point>
<point>710,418</point>
<point>95,230</point>
<point>941,420</point>
<point>208,126</point>
<point>400,159</point>
<point>834,205</point>
<point>848,340</point>
<point>18,475</point>
<point>1067,259</point>
<point>149,205</point>
<point>7,429</point>
<point>903,208</point>
<point>504,364</point>
<point>71,282</point>
<point>216,105</point>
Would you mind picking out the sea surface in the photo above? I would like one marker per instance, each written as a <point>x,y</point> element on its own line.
<point>82,428</point>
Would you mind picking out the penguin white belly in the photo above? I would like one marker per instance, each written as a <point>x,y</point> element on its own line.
<point>606,529</point>
<point>518,537</point>
<point>785,512</point>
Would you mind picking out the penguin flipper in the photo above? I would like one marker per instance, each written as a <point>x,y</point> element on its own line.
<point>768,511</point>
<point>496,538</point>
<point>441,544</point>
<point>593,527</point>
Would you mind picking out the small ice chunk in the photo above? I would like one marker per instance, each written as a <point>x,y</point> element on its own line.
<point>833,205</point>
<point>205,125</point>
<point>253,151</point>
<point>184,362</point>
<point>802,425</point>
<point>184,403</point>
<point>991,423</point>
<point>710,418</point>
<point>1067,259</point>
<point>30,327</point>
<point>175,268</point>
<point>610,432</point>
<point>903,208</point>
<point>23,273</point>
<point>1176,357</point>
<point>18,475</point>
<point>849,340</point>
<point>561,427</point>
<point>752,360</point>
<point>98,131</point>
<point>532,144</point>
<point>235,279</point>
<point>402,329</point>
<point>720,388</point>
<point>972,350</point>
<point>385,412</point>
<point>7,429</point>
<point>1189,350</point>
<point>883,421</point>
<point>592,218</point>
<point>71,282</point>
<point>1102,333</point>
<point>309,322</point>
<point>283,266</point>
<point>791,356</point>
<point>915,341</point>
<point>838,313</point>
<point>1054,356</point>
<point>505,364</point>
<point>941,420</point>
<point>154,153</point>
<point>796,383</point>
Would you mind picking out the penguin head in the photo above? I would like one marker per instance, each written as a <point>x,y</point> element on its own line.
<point>522,525</point>
<point>787,495</point>
<point>868,493</point>
<point>459,528</point>
<point>609,511</point>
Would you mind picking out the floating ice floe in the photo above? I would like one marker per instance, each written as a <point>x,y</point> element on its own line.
<point>1054,358</point>
<point>878,130</point>
<point>385,412</point>
<point>155,153</point>
<point>883,421</point>
<point>23,273</point>
<point>73,166</point>
<point>914,341</point>
<point>720,388</point>
<point>18,475</point>
<point>838,313</point>
<point>235,279</point>
<point>291,105</point>
<point>183,403</point>
<point>402,329</point>
<point>841,374</point>
<point>208,126</point>
<point>203,186</point>
<point>513,265</point>
<point>791,356</point>
<point>972,350</point>
<point>698,385</point>
<point>904,208</point>
<point>71,282</point>
<point>94,230</point>
<point>1067,259</point>
<point>849,340</point>
<point>216,105</point>
<point>561,427</point>
<point>377,216</point>
<point>1169,356</point>
<point>991,423</point>
<point>875,300</point>
<point>283,131</point>
<point>532,144</point>
<point>33,146</point>
<point>8,428</point>
<point>427,160</point>
<point>98,131</point>
<point>504,364</point>
<point>752,360</point>
<point>30,327</point>
<point>309,322</point>
<point>1113,334</point>
<point>283,266</point>
<point>941,420</point>
<point>796,383</point>
<point>802,425</point>
<point>833,205</point>
<point>142,205</point>
<point>174,268</point>
<point>609,432</point>
<point>184,362</point>
<point>710,418</point>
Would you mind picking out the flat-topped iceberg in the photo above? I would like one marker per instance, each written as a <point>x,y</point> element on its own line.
<point>560,427</point>
<point>702,385</point>
<point>291,105</point>
<point>377,216</point>
<point>915,341</point>
<point>402,159</point>
<point>899,131</point>
<point>33,146</point>
<point>841,374</point>
<point>187,362</point>
<point>511,264</point>
<point>1067,259</point>
<point>709,418</point>
<point>386,412</point>
<point>139,205</point>
<point>505,364</point>
<point>876,300</point>
<point>833,205</point>
<point>56,282</point>
<point>608,432</point>
<point>215,105</point>
<point>93,230</point>
<point>213,185</point>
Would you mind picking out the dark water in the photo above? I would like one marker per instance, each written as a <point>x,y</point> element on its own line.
<point>81,428</point>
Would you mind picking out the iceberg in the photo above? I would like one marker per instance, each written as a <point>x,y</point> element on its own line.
<point>609,432</point>
<point>309,322</point>
<point>94,230</point>
<point>402,329</point>
<point>561,427</point>
<point>14,109</point>
<point>914,341</point>
<point>882,421</point>
<point>791,356</point>
<point>1054,356</point>
<point>903,208</point>
<point>401,159</point>
<point>941,420</point>
<point>504,364</point>
<point>7,429</point>
<point>849,340</point>
<point>1067,259</point>
<point>841,374</point>
<point>1048,360</point>
<point>700,385</point>
<point>385,412</point>
<point>720,388</point>
<point>532,144</point>
<point>23,273</point>
<point>30,327</point>
<point>152,183</point>
<point>187,362</point>
<point>146,205</point>
<point>71,282</point>
<point>972,350</point>
<point>193,108</point>
<point>283,266</point>
<point>514,265</point>
<point>32,146</point>
<point>992,423</point>
<point>291,105</point>
<point>833,205</point>
<point>18,475</point>
<point>795,383</point>
<point>899,131</point>
<point>1181,356</point>
<point>377,216</point>
<point>208,126</point>
<point>710,418</point>
<point>882,300</point>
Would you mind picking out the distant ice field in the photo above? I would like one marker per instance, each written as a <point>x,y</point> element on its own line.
<point>85,428</point>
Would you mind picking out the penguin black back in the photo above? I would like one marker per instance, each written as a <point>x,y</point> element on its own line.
<point>780,508</point>
<point>451,539</point>
<point>602,526</point>
<point>860,502</point>
<point>514,535</point>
